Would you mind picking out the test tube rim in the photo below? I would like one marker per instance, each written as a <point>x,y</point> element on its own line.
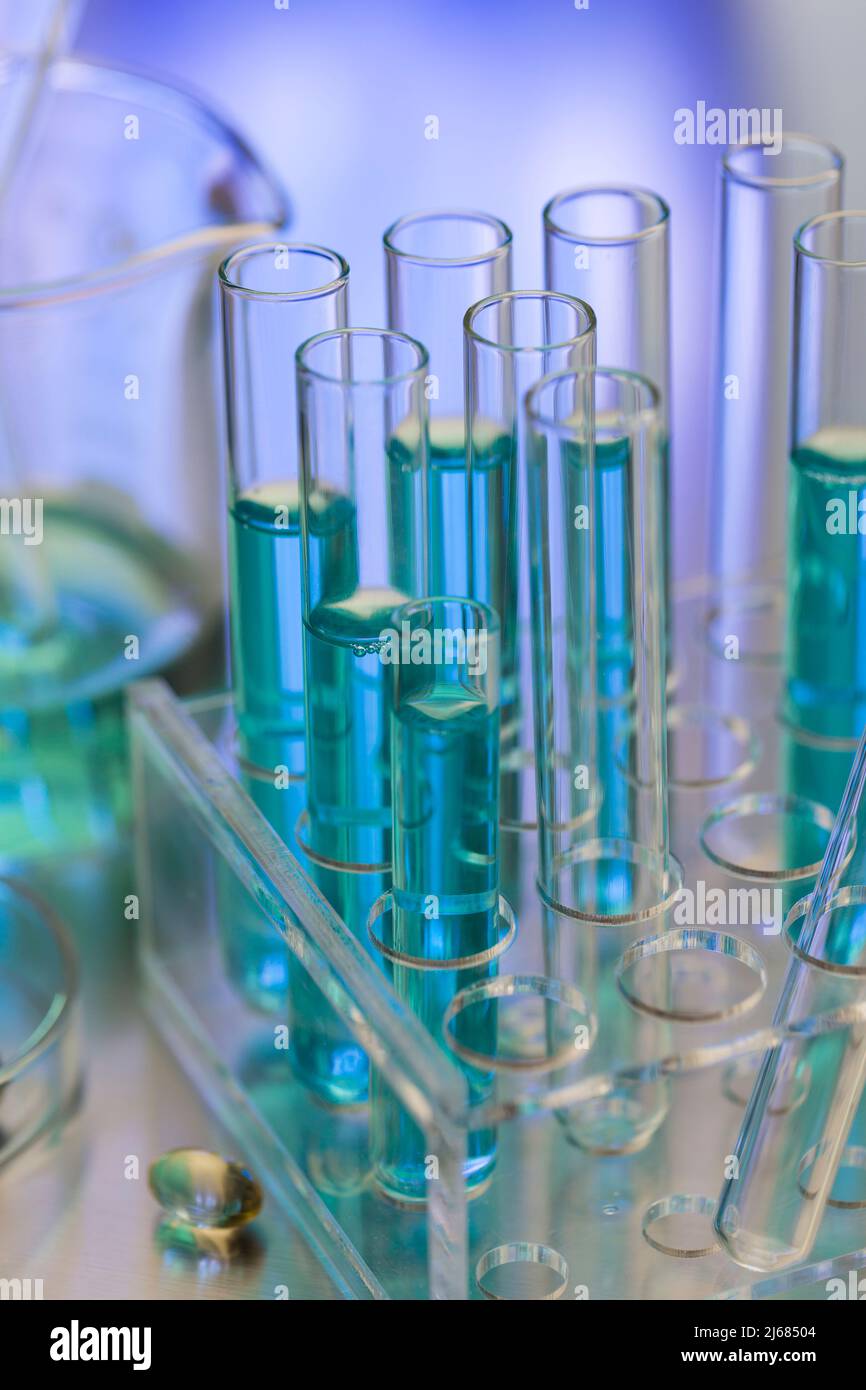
<point>827,176</point>
<point>308,373</point>
<point>646,415</point>
<point>502,248</point>
<point>522,1252</point>
<point>850,895</point>
<point>308,248</point>
<point>759,803</point>
<point>667,867</point>
<point>681,940</point>
<point>634,192</point>
<point>585,310</point>
<point>803,250</point>
<point>505,918</point>
<point>490,616</point>
<point>679,1204</point>
<point>856,1158</point>
<point>546,987</point>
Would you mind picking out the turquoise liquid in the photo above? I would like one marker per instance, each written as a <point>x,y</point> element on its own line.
<point>267,670</point>
<point>347,752</point>
<point>348,801</point>
<point>482,564</point>
<point>615,657</point>
<point>267,633</point>
<point>825,688</point>
<point>612,883</point>
<point>349,778</point>
<point>449,508</point>
<point>268,653</point>
<point>445,756</point>
<point>63,784</point>
<point>496,558</point>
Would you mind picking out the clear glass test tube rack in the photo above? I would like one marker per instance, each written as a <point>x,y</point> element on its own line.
<point>553,1221</point>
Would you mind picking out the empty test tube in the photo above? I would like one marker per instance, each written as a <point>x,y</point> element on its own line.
<point>766,195</point>
<point>511,340</point>
<point>441,929</point>
<point>610,247</point>
<point>809,1087</point>
<point>363,429</point>
<point>438,264</point>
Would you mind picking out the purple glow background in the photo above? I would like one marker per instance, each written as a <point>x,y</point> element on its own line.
<point>532,96</point>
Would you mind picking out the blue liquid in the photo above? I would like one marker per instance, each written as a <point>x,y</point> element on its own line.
<point>611,516</point>
<point>348,769</point>
<point>482,563</point>
<point>267,644</point>
<point>267,634</point>
<point>348,801</point>
<point>496,547</point>
<point>63,780</point>
<point>267,661</point>
<point>449,525</point>
<point>825,690</point>
<point>615,658</point>
<point>445,755</point>
<point>349,777</point>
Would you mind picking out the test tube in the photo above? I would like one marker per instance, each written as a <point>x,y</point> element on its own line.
<point>511,341</point>
<point>438,264</point>
<point>594,486</point>
<point>595,505</point>
<point>439,930</point>
<point>765,196</point>
<point>825,662</point>
<point>363,432</point>
<point>610,247</point>
<point>274,296</point>
<point>787,1155</point>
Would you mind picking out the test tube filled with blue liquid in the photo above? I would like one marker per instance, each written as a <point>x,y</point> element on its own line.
<point>825,654</point>
<point>437,932</point>
<point>274,296</point>
<point>437,265</point>
<point>363,437</point>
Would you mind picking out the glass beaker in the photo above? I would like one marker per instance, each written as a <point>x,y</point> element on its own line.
<point>124,196</point>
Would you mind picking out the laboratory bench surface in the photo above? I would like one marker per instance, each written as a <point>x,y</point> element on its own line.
<point>76,1211</point>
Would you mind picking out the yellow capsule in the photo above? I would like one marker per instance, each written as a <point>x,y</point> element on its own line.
<point>203,1189</point>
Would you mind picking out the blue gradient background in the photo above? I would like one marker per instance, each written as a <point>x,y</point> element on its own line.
<point>532,96</point>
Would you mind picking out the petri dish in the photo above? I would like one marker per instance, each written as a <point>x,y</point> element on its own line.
<point>40,1059</point>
